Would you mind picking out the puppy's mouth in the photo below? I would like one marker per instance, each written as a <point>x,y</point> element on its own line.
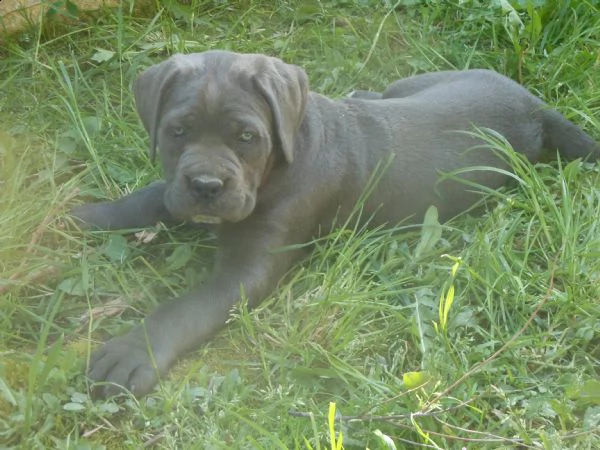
<point>232,205</point>
<point>201,218</point>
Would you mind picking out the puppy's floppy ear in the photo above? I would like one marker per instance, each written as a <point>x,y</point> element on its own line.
<point>150,90</point>
<point>285,88</point>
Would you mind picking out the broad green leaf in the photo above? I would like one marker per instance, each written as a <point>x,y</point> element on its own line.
<point>72,406</point>
<point>431,232</point>
<point>180,257</point>
<point>102,55</point>
<point>116,249</point>
<point>72,286</point>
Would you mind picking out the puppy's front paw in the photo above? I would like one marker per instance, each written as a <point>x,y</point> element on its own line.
<point>124,364</point>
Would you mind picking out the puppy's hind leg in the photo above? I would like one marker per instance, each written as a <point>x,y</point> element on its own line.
<point>365,95</point>
<point>405,87</point>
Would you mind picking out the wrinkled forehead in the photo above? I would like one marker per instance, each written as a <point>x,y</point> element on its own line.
<point>216,90</point>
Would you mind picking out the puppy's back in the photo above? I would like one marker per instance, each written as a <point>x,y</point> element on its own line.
<point>558,132</point>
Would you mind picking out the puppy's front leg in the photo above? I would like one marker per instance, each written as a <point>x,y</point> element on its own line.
<point>142,208</point>
<point>245,263</point>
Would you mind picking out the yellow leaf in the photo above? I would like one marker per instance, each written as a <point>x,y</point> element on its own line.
<point>413,380</point>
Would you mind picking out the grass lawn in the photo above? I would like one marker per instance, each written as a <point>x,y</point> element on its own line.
<point>483,332</point>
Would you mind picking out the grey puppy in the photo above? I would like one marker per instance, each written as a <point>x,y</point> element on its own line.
<point>245,145</point>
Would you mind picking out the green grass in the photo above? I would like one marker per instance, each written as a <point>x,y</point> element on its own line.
<point>480,333</point>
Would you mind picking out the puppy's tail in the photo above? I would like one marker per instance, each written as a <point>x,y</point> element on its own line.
<point>566,137</point>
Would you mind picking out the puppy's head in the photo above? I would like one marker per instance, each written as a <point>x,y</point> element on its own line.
<point>219,121</point>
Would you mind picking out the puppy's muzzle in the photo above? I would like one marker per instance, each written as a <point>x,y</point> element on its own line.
<point>206,187</point>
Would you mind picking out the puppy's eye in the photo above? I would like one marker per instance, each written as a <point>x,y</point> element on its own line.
<point>178,131</point>
<point>246,137</point>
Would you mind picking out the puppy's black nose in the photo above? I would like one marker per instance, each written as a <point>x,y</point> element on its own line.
<point>207,186</point>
